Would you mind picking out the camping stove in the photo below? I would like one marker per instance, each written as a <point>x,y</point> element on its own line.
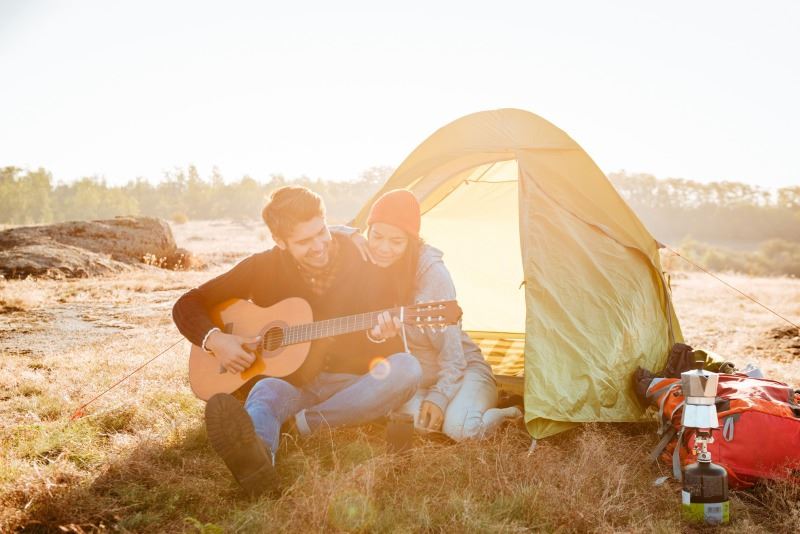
<point>700,410</point>
<point>704,496</point>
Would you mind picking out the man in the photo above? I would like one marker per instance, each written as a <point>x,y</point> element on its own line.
<point>336,386</point>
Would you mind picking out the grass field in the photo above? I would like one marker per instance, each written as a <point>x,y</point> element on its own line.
<point>139,460</point>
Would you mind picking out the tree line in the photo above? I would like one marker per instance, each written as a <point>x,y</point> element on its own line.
<point>32,197</point>
<point>672,209</point>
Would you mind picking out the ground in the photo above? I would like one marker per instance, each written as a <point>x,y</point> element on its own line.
<point>139,459</point>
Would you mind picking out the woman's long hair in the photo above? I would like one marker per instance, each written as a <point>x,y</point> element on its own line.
<point>404,271</point>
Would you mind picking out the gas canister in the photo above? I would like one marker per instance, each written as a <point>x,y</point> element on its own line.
<point>705,493</point>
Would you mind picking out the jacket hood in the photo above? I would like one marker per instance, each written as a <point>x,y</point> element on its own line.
<point>428,256</point>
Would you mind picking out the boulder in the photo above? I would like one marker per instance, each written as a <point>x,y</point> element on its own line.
<point>79,249</point>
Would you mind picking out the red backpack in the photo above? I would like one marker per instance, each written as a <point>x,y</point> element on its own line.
<point>758,436</point>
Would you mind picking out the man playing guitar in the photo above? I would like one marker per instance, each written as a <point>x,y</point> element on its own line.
<point>349,379</point>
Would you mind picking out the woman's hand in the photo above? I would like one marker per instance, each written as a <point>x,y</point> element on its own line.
<point>430,416</point>
<point>388,326</point>
<point>362,245</point>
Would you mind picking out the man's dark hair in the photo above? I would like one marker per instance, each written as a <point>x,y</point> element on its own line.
<point>288,206</point>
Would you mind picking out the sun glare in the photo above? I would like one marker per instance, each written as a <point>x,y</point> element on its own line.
<point>380,368</point>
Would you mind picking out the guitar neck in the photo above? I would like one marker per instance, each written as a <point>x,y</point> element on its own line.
<point>304,333</point>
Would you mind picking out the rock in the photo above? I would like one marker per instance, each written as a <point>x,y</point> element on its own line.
<point>782,332</point>
<point>80,249</point>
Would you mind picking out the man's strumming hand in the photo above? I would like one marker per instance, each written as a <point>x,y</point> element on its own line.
<point>229,350</point>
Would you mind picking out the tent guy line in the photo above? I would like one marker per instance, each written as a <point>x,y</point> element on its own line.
<point>79,412</point>
<point>730,286</point>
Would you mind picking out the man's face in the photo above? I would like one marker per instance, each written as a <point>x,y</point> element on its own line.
<point>308,243</point>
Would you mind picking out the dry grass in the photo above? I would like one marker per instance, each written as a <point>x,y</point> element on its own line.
<point>20,296</point>
<point>139,460</point>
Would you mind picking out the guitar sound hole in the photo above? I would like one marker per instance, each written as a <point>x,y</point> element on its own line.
<point>273,338</point>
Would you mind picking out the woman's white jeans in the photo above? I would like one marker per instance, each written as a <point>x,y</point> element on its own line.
<point>472,412</point>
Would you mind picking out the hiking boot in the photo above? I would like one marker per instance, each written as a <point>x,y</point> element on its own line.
<point>231,433</point>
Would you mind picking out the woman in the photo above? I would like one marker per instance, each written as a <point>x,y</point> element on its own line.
<point>457,394</point>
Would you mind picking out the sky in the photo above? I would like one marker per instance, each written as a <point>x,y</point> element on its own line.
<point>706,90</point>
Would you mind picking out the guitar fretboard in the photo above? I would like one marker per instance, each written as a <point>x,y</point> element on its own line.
<point>303,333</point>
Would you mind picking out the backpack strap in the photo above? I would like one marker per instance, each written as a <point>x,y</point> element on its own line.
<point>653,382</point>
<point>676,458</point>
<point>675,409</point>
<point>728,426</point>
<point>662,444</point>
<point>666,423</point>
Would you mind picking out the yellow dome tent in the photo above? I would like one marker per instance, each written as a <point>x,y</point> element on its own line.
<point>543,249</point>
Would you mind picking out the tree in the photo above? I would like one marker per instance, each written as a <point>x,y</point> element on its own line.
<point>25,198</point>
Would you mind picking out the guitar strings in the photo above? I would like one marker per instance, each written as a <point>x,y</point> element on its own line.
<point>80,411</point>
<point>295,333</point>
<point>310,331</point>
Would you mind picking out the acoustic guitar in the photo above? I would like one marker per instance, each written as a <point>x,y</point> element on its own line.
<point>286,330</point>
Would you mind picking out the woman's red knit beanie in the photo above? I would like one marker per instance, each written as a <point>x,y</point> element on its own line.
<point>399,208</point>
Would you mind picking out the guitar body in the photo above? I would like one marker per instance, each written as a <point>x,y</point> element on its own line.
<point>286,331</point>
<point>243,318</point>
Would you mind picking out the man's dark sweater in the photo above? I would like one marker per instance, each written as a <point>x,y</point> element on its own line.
<point>269,277</point>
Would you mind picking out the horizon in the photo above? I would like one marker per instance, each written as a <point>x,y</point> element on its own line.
<point>122,91</point>
<point>206,177</point>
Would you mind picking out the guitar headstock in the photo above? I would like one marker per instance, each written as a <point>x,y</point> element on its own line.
<point>433,315</point>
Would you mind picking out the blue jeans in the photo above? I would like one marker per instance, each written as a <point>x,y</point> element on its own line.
<point>332,399</point>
